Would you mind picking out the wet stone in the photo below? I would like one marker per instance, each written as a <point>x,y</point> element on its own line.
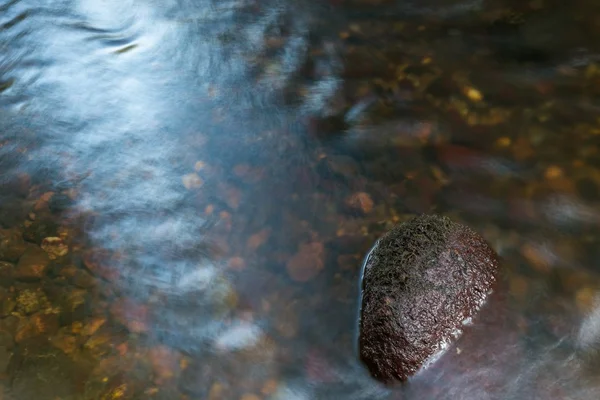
<point>100,263</point>
<point>118,387</point>
<point>165,363</point>
<point>422,280</point>
<point>35,326</point>
<point>250,396</point>
<point>92,326</point>
<point>342,165</point>
<point>71,274</point>
<point>33,265</point>
<point>66,271</point>
<point>8,306</point>
<point>64,341</point>
<point>7,302</point>
<point>30,301</point>
<point>132,315</point>
<point>6,273</point>
<point>4,294</point>
<point>83,279</point>
<point>6,339</point>
<point>55,247</point>
<point>40,228</point>
<point>99,344</point>
<point>47,374</point>
<point>12,212</point>
<point>588,189</point>
<point>75,305</point>
<point>5,355</point>
<point>12,245</point>
<point>360,202</point>
<point>60,202</point>
<point>9,324</point>
<point>307,262</point>
<point>17,185</point>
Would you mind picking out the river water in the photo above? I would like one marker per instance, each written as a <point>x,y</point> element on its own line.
<point>215,172</point>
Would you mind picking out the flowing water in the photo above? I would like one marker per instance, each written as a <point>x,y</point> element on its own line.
<point>214,172</point>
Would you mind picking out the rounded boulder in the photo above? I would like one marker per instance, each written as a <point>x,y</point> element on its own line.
<point>422,282</point>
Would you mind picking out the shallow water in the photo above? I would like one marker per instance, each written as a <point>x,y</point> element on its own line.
<point>218,171</point>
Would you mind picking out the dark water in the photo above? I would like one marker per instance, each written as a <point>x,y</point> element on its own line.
<point>220,169</point>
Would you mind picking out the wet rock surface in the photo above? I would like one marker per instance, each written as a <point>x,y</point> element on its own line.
<point>32,265</point>
<point>39,229</point>
<point>422,281</point>
<point>12,245</point>
<point>44,373</point>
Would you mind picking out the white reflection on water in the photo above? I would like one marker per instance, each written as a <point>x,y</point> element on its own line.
<point>239,336</point>
<point>588,337</point>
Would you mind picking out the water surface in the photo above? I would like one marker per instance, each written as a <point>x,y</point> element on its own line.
<point>218,170</point>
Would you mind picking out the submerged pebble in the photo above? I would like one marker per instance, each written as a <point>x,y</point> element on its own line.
<point>33,265</point>
<point>422,282</point>
<point>12,245</point>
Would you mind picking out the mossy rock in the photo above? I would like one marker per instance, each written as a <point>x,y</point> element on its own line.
<point>422,282</point>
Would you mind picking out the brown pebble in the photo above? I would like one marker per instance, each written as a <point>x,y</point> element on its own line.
<point>307,262</point>
<point>473,94</point>
<point>132,315</point>
<point>269,387</point>
<point>7,302</point>
<point>12,245</point>
<point>76,327</point>
<point>536,257</point>
<point>99,263</point>
<point>504,141</point>
<point>42,202</point>
<point>199,166</point>
<point>99,344</point>
<point>522,149</point>
<point>249,396</point>
<point>55,247</point>
<point>241,170</point>
<point>286,322</point>
<point>17,185</point>
<point>83,279</point>
<point>65,342</point>
<point>237,263</point>
<point>518,287</point>
<point>165,363</point>
<point>585,299</point>
<point>360,201</point>
<point>91,327</point>
<point>216,392</point>
<point>32,265</point>
<point>232,195</point>
<point>553,172</point>
<point>258,239</point>
<point>6,273</point>
<point>36,325</point>
<point>30,301</point>
<point>192,181</point>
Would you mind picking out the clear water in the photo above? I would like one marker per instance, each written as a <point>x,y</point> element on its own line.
<point>218,147</point>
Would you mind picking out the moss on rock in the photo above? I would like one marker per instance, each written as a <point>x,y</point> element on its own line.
<point>422,282</point>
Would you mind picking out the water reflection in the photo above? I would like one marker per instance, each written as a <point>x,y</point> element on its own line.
<point>219,170</point>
